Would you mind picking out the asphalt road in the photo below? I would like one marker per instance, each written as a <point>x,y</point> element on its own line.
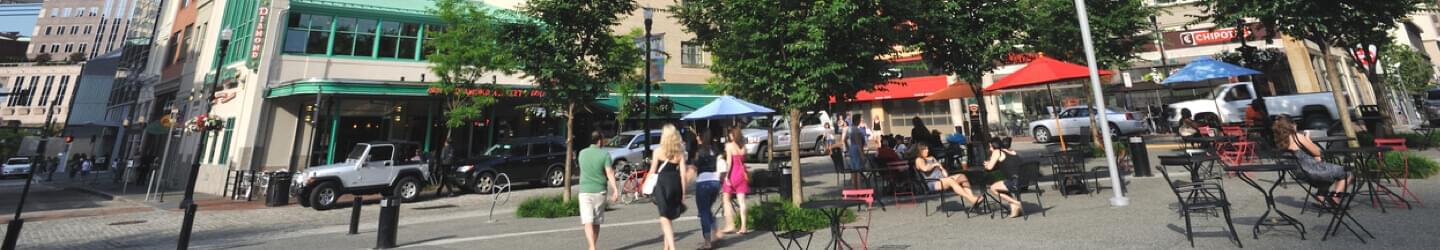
<point>45,198</point>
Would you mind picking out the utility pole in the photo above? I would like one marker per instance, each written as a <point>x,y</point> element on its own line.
<point>188,202</point>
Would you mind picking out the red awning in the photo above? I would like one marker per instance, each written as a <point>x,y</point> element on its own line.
<point>909,87</point>
<point>1042,70</point>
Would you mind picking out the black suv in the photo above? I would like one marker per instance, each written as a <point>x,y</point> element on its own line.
<point>532,159</point>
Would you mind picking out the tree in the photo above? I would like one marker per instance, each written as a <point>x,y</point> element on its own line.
<point>967,38</point>
<point>41,58</point>
<point>1271,61</point>
<point>466,50</point>
<point>793,54</point>
<point>571,54</point>
<point>1407,69</point>
<point>1051,27</point>
<point>1328,23</point>
<point>77,57</point>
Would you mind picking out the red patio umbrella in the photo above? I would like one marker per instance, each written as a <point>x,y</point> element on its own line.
<point>1044,70</point>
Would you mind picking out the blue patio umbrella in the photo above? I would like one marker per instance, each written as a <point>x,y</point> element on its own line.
<point>1205,68</point>
<point>727,107</point>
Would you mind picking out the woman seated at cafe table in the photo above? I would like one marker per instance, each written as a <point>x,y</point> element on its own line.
<point>939,179</point>
<point>1307,154</point>
<point>1003,168</point>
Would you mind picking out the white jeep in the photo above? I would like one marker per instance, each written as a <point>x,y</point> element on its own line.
<point>390,168</point>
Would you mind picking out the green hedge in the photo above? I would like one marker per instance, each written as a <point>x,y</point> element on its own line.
<point>1412,140</point>
<point>548,207</point>
<point>780,216</point>
<point>1420,166</point>
<point>1097,152</point>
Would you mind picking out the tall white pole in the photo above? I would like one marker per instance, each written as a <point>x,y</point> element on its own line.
<point>1119,200</point>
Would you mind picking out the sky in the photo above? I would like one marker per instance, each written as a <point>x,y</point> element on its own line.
<point>21,19</point>
<point>505,3</point>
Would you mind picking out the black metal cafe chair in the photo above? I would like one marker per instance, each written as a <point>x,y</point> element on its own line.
<point>1191,205</point>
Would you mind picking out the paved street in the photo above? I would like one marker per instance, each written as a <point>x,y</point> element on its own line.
<point>463,222</point>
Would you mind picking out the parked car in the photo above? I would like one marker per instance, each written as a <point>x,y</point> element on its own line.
<point>1227,103</point>
<point>534,159</point>
<point>1431,107</point>
<point>812,134</point>
<point>1074,120</point>
<point>629,146</point>
<point>16,166</point>
<point>391,168</point>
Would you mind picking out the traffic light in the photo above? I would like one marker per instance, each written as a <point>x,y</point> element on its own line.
<point>69,139</point>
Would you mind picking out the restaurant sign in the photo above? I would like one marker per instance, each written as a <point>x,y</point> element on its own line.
<point>1210,36</point>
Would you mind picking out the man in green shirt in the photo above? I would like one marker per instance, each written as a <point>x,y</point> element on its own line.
<point>595,174</point>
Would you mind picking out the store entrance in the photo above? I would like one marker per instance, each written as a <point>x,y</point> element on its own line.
<point>354,130</point>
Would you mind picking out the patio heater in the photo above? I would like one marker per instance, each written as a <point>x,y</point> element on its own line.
<point>1119,200</point>
<point>188,202</point>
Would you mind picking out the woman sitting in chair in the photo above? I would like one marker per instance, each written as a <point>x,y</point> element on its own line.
<point>1307,154</point>
<point>938,178</point>
<point>1003,167</point>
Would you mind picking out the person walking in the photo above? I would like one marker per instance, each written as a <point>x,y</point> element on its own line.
<point>667,165</point>
<point>735,184</point>
<point>50,170</point>
<point>73,167</point>
<point>85,166</point>
<point>855,142</point>
<point>596,175</point>
<point>707,184</point>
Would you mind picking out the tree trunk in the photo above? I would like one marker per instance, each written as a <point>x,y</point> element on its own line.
<point>769,153</point>
<point>569,147</point>
<point>795,183</point>
<point>1341,105</point>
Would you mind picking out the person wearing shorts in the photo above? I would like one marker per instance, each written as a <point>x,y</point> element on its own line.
<point>595,175</point>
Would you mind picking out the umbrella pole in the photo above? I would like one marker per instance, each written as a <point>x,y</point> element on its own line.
<point>1056,114</point>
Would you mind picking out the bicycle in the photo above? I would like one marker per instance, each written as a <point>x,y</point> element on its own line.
<point>632,177</point>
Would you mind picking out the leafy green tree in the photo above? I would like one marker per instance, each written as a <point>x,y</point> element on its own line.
<point>571,53</point>
<point>77,57</point>
<point>966,38</point>
<point>1271,61</point>
<point>1328,23</point>
<point>1407,68</point>
<point>41,58</point>
<point>1051,27</point>
<point>793,54</point>
<point>467,51</point>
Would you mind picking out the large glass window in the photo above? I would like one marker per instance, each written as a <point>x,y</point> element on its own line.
<point>690,54</point>
<point>354,37</point>
<point>398,40</point>
<point>308,34</point>
<point>429,34</point>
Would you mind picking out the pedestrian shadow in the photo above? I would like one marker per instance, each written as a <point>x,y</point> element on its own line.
<point>659,239</point>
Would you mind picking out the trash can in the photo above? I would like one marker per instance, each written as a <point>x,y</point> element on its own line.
<point>278,193</point>
<point>1139,156</point>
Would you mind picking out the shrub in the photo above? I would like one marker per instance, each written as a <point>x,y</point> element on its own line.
<point>548,207</point>
<point>780,216</point>
<point>1118,146</point>
<point>1420,167</point>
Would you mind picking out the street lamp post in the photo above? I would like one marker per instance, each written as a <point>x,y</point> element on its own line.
<point>12,232</point>
<point>649,20</point>
<point>1119,200</point>
<point>188,202</point>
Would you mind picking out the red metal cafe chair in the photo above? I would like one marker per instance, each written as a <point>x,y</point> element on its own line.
<point>863,230</point>
<point>1399,177</point>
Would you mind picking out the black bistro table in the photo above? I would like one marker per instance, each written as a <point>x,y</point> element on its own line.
<point>1365,164</point>
<point>1330,141</point>
<point>1201,166</point>
<point>833,209</point>
<point>1282,219</point>
<point>1206,142</point>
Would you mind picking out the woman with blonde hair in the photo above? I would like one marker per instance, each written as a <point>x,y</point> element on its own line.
<point>735,184</point>
<point>667,163</point>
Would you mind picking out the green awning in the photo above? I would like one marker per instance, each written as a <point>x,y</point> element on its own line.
<point>350,88</point>
<point>683,104</point>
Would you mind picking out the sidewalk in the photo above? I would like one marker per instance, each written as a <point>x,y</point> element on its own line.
<point>102,184</point>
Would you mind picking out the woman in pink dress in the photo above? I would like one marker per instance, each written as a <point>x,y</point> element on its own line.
<point>736,184</point>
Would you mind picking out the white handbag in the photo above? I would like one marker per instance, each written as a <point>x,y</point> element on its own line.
<point>652,179</point>
<point>721,165</point>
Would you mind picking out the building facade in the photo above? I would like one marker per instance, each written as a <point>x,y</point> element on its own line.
<point>87,27</point>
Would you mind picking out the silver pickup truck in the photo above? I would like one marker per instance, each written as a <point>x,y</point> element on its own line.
<point>1227,103</point>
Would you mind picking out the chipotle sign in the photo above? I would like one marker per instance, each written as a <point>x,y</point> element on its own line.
<point>1204,37</point>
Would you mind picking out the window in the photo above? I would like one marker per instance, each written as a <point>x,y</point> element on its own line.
<point>54,48</point>
<point>539,149</point>
<point>87,29</point>
<point>93,10</point>
<point>381,153</point>
<point>80,12</point>
<point>309,34</point>
<point>69,47</point>
<point>42,48</point>
<point>429,33</point>
<point>60,92</point>
<point>398,40</point>
<point>1239,93</point>
<point>181,54</point>
<point>75,29</point>
<point>225,145</point>
<point>54,12</point>
<point>354,37</point>
<point>66,13</point>
<point>47,29</point>
<point>19,80</point>
<point>45,94</point>
<point>82,48</point>
<point>170,49</point>
<point>690,54</point>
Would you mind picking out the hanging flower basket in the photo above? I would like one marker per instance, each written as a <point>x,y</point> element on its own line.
<point>203,123</point>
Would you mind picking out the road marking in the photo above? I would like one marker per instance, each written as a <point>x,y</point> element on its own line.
<point>498,236</point>
<point>334,229</point>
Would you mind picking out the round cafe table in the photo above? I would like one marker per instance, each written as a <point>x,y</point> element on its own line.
<point>1282,219</point>
<point>833,209</point>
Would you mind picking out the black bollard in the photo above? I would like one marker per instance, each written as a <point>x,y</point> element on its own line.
<point>12,233</point>
<point>184,242</point>
<point>355,216</point>
<point>389,223</point>
<point>1139,156</point>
